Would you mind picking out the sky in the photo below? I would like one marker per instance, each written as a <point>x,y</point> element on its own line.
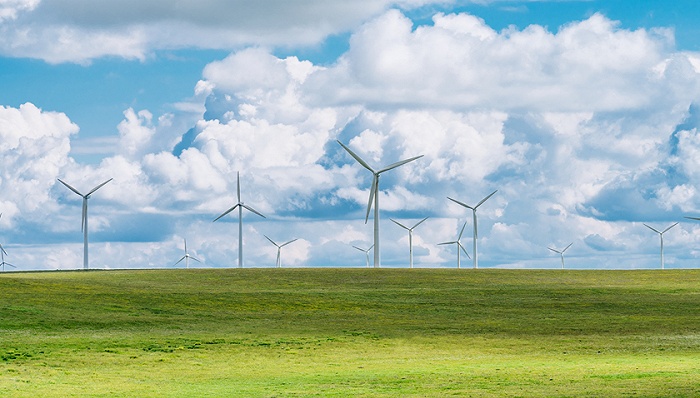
<point>583,115</point>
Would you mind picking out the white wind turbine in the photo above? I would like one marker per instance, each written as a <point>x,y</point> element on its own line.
<point>561,253</point>
<point>84,222</point>
<point>410,237</point>
<point>240,206</point>
<point>366,253</point>
<point>459,245</point>
<point>661,236</point>
<point>374,194</point>
<point>3,253</point>
<point>187,257</point>
<point>279,249</point>
<point>476,235</point>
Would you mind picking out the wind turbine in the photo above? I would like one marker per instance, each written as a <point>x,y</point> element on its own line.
<point>240,206</point>
<point>3,253</point>
<point>561,253</point>
<point>476,235</point>
<point>187,257</point>
<point>661,235</point>
<point>279,249</point>
<point>410,237</point>
<point>366,253</point>
<point>84,222</point>
<point>374,194</point>
<point>459,245</point>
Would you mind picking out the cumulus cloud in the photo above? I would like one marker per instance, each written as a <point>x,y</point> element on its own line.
<point>34,147</point>
<point>82,30</point>
<point>586,132</point>
<point>459,61</point>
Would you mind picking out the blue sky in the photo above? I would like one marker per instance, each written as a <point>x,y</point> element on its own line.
<point>583,114</point>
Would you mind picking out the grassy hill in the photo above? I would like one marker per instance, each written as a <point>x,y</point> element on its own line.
<point>350,332</point>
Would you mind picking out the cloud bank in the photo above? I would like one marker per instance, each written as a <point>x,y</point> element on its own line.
<point>586,132</point>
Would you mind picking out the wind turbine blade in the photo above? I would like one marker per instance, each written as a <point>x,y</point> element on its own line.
<point>69,187</point>
<point>362,250</point>
<point>399,224</point>
<point>238,186</point>
<point>485,199</point>
<point>567,247</point>
<point>448,243</point>
<point>3,250</point>
<point>419,223</point>
<point>372,192</point>
<point>286,243</point>
<point>253,210</point>
<point>11,265</point>
<point>272,241</point>
<point>354,155</point>
<point>178,261</point>
<point>464,250</point>
<point>226,212</point>
<point>399,163</point>
<point>370,248</point>
<point>461,232</point>
<point>693,218</point>
<point>669,228</point>
<point>185,245</point>
<point>653,229</point>
<point>460,203</point>
<point>195,259</point>
<point>98,187</point>
<point>554,250</point>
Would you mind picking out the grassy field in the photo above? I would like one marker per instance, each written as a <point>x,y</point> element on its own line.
<point>350,332</point>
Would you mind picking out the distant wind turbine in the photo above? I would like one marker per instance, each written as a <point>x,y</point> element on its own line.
<point>3,253</point>
<point>476,235</point>
<point>187,257</point>
<point>561,253</point>
<point>374,194</point>
<point>366,253</point>
<point>410,237</point>
<point>240,206</point>
<point>661,236</point>
<point>279,249</point>
<point>84,222</point>
<point>459,245</point>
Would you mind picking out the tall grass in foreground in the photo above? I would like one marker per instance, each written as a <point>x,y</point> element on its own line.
<point>350,332</point>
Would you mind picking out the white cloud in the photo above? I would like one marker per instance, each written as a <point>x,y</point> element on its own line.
<point>82,30</point>
<point>585,132</point>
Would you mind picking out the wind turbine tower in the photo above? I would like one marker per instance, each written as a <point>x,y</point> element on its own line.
<point>279,249</point>
<point>561,253</point>
<point>374,194</point>
<point>366,253</point>
<point>459,245</point>
<point>410,237</point>
<point>240,205</point>
<point>473,209</point>
<point>84,222</point>
<point>187,257</point>
<point>661,236</point>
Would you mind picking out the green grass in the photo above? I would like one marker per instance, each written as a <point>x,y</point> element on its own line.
<point>350,332</point>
